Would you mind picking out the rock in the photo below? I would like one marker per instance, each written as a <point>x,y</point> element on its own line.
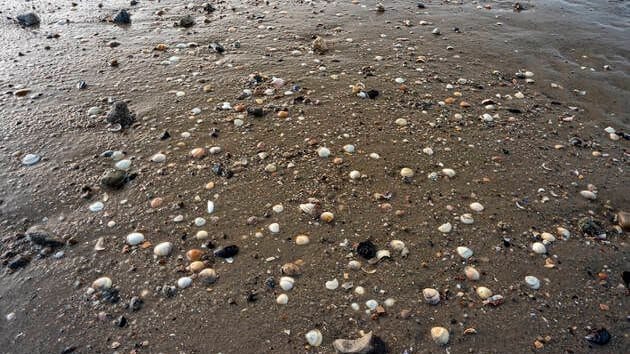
<point>96,207</point>
<point>186,21</point>
<point>319,45</point>
<point>599,337</point>
<point>226,252</point>
<point>623,219</point>
<point>119,114</point>
<point>431,296</point>
<point>28,19</point>
<point>362,345</point>
<point>135,238</point>
<point>40,236</point>
<point>440,335</point>
<point>208,276</point>
<point>532,282</point>
<point>114,179</point>
<point>184,282</point>
<point>122,18</point>
<point>30,159</point>
<point>314,337</point>
<point>366,249</point>
<point>436,31</point>
<point>19,262</point>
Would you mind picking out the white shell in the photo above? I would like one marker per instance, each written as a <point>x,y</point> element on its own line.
<point>158,158</point>
<point>428,151</point>
<point>308,208</point>
<point>210,208</point>
<point>445,228</point>
<point>323,152</point>
<point>476,207</point>
<point>397,245</point>
<point>102,283</point>
<point>201,235</point>
<point>532,282</point>
<point>314,337</point>
<point>354,265</point>
<point>471,273</point>
<point>401,122</point>
<point>286,283</point>
<point>282,299</point>
<point>30,159</point>
<point>200,221</point>
<point>208,276</point>
<point>466,219</point>
<point>449,172</point>
<point>332,284</point>
<point>431,296</point>
<point>389,302</point>
<point>484,292</point>
<point>123,165</point>
<point>354,174</point>
<point>163,249</point>
<point>371,304</point>
<point>464,252</point>
<point>301,240</point>
<point>588,195</point>
<point>96,207</point>
<point>440,335</point>
<point>359,290</point>
<point>184,282</point>
<point>539,247</point>
<point>406,172</point>
<point>546,236</point>
<point>274,228</point>
<point>278,208</point>
<point>348,148</point>
<point>135,238</point>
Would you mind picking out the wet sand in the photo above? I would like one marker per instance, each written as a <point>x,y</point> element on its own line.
<point>525,166</point>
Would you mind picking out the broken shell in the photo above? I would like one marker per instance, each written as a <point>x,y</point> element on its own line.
<point>291,269</point>
<point>356,346</point>
<point>102,283</point>
<point>100,244</point>
<point>539,248</point>
<point>163,249</point>
<point>332,284</point>
<point>135,238</point>
<point>588,195</point>
<point>439,335</point>
<point>301,240</point>
<point>309,208</point>
<point>445,228</point>
<point>208,276</point>
<point>484,292</point>
<point>464,252</point>
<point>406,172</point>
<point>471,273</point>
<point>397,245</point>
<point>476,207</point>
<point>466,219</point>
<point>314,337</point>
<point>327,217</point>
<point>532,282</point>
<point>431,296</point>
<point>380,254</point>
<point>282,299</point>
<point>194,255</point>
<point>286,283</point>
<point>196,266</point>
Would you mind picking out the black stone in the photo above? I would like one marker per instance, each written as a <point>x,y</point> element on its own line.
<point>421,5</point>
<point>366,249</point>
<point>122,18</point>
<point>28,19</point>
<point>626,278</point>
<point>226,252</point>
<point>19,262</point>
<point>591,227</point>
<point>217,168</point>
<point>207,7</point>
<point>255,111</point>
<point>165,135</point>
<point>41,237</point>
<point>121,321</point>
<point>217,47</point>
<point>119,114</point>
<point>114,179</point>
<point>372,94</point>
<point>186,21</point>
<point>599,337</point>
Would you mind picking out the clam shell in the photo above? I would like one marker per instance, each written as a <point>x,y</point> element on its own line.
<point>478,207</point>
<point>588,195</point>
<point>135,238</point>
<point>163,249</point>
<point>539,248</point>
<point>380,254</point>
<point>309,208</point>
<point>210,207</point>
<point>466,219</point>
<point>301,240</point>
<point>314,337</point>
<point>471,273</point>
<point>327,217</point>
<point>406,172</point>
<point>354,265</point>
<point>440,335</point>
<point>158,158</point>
<point>102,283</point>
<point>274,228</point>
<point>361,345</point>
<point>208,276</point>
<point>431,296</point>
<point>282,299</point>
<point>332,284</point>
<point>196,266</point>
<point>286,283</point>
<point>194,254</point>
<point>184,282</point>
<point>484,292</point>
<point>198,153</point>
<point>546,236</point>
<point>532,282</point>
<point>445,228</point>
<point>449,172</point>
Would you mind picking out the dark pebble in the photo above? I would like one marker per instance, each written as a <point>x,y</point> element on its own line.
<point>19,262</point>
<point>372,94</point>
<point>119,114</point>
<point>599,337</point>
<point>255,111</point>
<point>122,17</point>
<point>114,179</point>
<point>366,249</point>
<point>226,252</point>
<point>28,19</point>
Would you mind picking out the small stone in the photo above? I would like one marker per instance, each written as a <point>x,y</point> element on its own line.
<point>471,273</point>
<point>96,207</point>
<point>466,219</point>
<point>623,219</point>
<point>354,174</point>
<point>156,202</point>
<point>406,172</point>
<point>539,248</point>
<point>194,254</point>
<point>159,158</point>
<point>28,19</point>
<point>431,296</point>
<point>122,18</point>
<point>401,122</point>
<point>210,207</point>
<point>30,159</point>
<point>440,335</point>
<point>464,252</point>
<point>301,240</point>
<point>348,148</point>
<point>93,111</point>
<point>588,195</point>
<point>163,249</point>
<point>201,235</point>
<point>226,252</point>
<point>450,173</point>
<point>445,228</point>
<point>323,152</point>
<point>436,31</point>
<point>114,179</point>
<point>484,292</point>
<point>184,282</point>
<point>532,282</point>
<point>102,283</point>
<point>200,221</point>
<point>119,114</point>
<point>286,283</point>
<point>314,337</point>
<point>123,165</point>
<point>274,228</point>
<point>198,153</point>
<point>478,207</point>
<point>135,238</point>
<point>282,299</point>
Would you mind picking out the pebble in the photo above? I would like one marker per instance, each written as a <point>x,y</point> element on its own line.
<point>200,221</point>
<point>477,207</point>
<point>359,290</point>
<point>406,172</point>
<point>135,238</point>
<point>30,159</point>
<point>348,148</point>
<point>464,252</point>
<point>210,207</point>
<point>156,202</point>
<point>354,265</point>
<point>371,304</point>
<point>401,122</point>
<point>93,111</point>
<point>201,235</point>
<point>445,228</point>
<point>332,284</point>
<point>532,282</point>
<point>96,207</point>
<point>355,174</point>
<point>184,282</point>
<point>440,335</point>
<point>274,228</point>
<point>539,248</point>
<point>471,273</point>
<point>159,158</point>
<point>282,299</point>
<point>323,152</point>
<point>102,283</point>
<point>163,249</point>
<point>431,296</point>
<point>588,195</point>
<point>484,292</point>
<point>314,337</point>
<point>198,153</point>
<point>208,276</point>
<point>428,151</point>
<point>286,283</point>
<point>301,240</point>
<point>123,165</point>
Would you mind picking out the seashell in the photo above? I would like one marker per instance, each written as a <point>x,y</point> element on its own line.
<point>354,174</point>
<point>564,233</point>
<point>278,208</point>
<point>484,292</point>
<point>359,290</point>
<point>30,159</point>
<point>466,219</point>
<point>323,152</point>
<point>314,337</point>
<point>198,153</point>
<point>546,236</point>
<point>494,300</point>
<point>588,195</point>
<point>196,266</point>
<point>371,304</point>
<point>397,245</point>
<point>102,283</point>
<point>226,252</point>
<point>301,240</point>
<point>428,151</point>
<point>135,238</point>
<point>539,248</point>
<point>286,283</point>
<point>354,265</point>
<point>440,335</point>
<point>401,122</point>
<point>194,254</point>
<point>361,345</point>
<point>291,269</point>
<point>471,273</point>
<point>210,207</point>
<point>96,207</point>
<point>123,165</point>
<point>274,228</point>
<point>163,249</point>
<point>159,158</point>
<point>309,208</point>
<point>431,296</point>
<point>464,252</point>
<point>184,282</point>
<point>208,276</point>
<point>349,148</point>
<point>445,228</point>
<point>201,235</point>
<point>406,172</point>
<point>100,244</point>
<point>200,221</point>
<point>282,299</point>
<point>450,173</point>
<point>156,202</point>
<point>532,282</point>
<point>478,207</point>
<point>327,217</point>
<point>389,302</point>
<point>332,284</point>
